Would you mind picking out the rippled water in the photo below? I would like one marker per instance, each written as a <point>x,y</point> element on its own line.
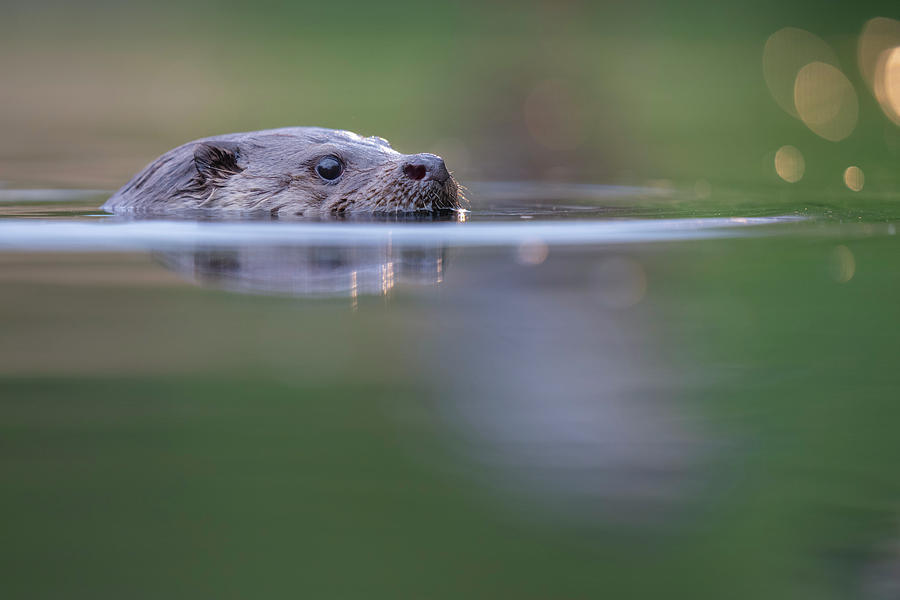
<point>564,391</point>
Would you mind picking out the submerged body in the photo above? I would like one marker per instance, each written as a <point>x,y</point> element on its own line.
<point>294,171</point>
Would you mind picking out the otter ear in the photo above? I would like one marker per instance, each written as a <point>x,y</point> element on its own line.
<point>216,160</point>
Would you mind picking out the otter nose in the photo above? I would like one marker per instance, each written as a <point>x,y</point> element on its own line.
<point>426,167</point>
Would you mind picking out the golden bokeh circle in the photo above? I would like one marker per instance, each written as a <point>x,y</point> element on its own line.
<point>854,178</point>
<point>786,52</point>
<point>843,264</point>
<point>877,36</point>
<point>789,164</point>
<point>887,83</point>
<point>826,101</point>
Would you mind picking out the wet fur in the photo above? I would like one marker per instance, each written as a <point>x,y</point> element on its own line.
<point>274,172</point>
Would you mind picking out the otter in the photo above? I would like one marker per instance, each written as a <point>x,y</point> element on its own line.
<point>309,270</point>
<point>295,171</point>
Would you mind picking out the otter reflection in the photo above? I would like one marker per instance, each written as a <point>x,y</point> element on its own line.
<point>317,271</point>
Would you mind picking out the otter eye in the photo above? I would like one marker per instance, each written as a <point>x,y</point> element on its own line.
<point>329,168</point>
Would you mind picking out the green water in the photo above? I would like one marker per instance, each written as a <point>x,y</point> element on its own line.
<point>699,418</point>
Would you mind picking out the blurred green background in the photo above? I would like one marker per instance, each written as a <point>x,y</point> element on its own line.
<point>617,92</point>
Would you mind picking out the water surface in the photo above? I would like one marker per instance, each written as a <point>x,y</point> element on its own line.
<point>567,391</point>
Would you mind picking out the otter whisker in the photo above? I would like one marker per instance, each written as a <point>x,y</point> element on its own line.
<point>265,199</point>
<point>212,193</point>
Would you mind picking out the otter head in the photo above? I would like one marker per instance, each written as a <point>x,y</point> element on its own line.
<point>303,170</point>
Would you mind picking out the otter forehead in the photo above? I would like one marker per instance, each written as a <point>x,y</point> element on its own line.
<point>318,135</point>
<point>308,136</point>
<point>295,145</point>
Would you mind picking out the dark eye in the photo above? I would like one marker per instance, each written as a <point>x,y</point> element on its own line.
<point>330,168</point>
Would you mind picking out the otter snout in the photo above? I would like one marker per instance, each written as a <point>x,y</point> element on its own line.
<point>426,167</point>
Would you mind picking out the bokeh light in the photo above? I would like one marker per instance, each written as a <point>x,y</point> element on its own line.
<point>826,101</point>
<point>843,264</point>
<point>789,164</point>
<point>854,178</point>
<point>887,83</point>
<point>878,35</point>
<point>878,53</point>
<point>532,252</point>
<point>786,52</point>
